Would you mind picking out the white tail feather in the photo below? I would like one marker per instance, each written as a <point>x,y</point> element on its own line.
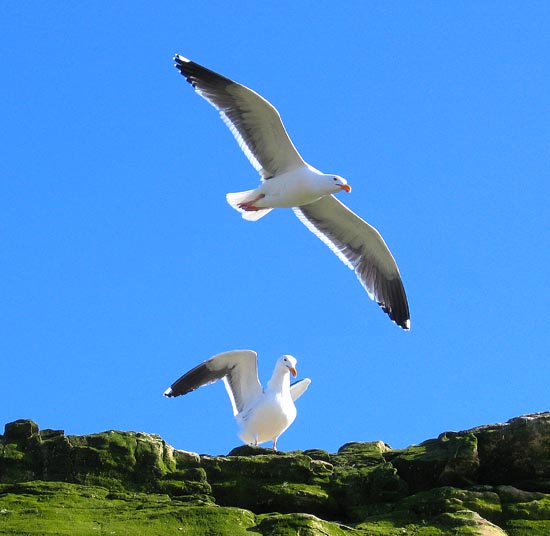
<point>242,197</point>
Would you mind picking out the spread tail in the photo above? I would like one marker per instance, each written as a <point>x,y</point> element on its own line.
<point>234,199</point>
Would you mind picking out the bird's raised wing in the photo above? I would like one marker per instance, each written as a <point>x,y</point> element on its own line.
<point>239,371</point>
<point>361,248</point>
<point>255,123</point>
<point>297,389</point>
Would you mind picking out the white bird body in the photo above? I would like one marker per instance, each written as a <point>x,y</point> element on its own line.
<point>262,415</point>
<point>299,186</point>
<point>272,413</point>
<point>289,182</point>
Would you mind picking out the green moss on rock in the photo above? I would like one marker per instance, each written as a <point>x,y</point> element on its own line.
<point>450,460</point>
<point>521,527</point>
<point>482,481</point>
<point>19,431</point>
<point>76,510</point>
<point>466,522</point>
<point>302,524</point>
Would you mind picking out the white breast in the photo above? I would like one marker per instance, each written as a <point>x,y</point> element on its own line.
<point>268,419</point>
<point>292,189</point>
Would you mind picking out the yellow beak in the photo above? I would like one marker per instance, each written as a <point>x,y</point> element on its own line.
<point>346,187</point>
<point>292,371</point>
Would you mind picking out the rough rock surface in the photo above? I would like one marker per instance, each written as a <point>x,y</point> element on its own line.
<point>492,480</point>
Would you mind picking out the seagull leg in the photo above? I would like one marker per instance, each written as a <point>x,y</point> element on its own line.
<point>275,443</point>
<point>249,205</point>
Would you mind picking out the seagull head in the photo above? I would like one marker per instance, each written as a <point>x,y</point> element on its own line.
<point>338,183</point>
<point>288,362</point>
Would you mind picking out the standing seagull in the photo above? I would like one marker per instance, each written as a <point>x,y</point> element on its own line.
<point>288,181</point>
<point>262,414</point>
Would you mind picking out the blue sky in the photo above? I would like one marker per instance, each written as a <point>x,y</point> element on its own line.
<point>122,266</point>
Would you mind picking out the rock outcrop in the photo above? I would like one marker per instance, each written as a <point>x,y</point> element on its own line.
<point>491,480</point>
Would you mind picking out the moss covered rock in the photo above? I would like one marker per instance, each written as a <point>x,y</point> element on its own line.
<point>491,480</point>
<point>516,453</point>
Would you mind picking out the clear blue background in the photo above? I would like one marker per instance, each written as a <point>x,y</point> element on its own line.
<point>122,266</point>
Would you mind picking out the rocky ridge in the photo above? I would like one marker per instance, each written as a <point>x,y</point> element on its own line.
<point>490,480</point>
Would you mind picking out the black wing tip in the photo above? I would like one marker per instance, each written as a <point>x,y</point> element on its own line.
<point>197,74</point>
<point>179,389</point>
<point>185,67</point>
<point>396,305</point>
<point>181,60</point>
<point>405,324</point>
<point>193,379</point>
<point>403,321</point>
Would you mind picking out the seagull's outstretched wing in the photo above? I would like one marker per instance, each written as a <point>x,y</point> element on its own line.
<point>255,123</point>
<point>361,248</point>
<point>239,371</point>
<point>297,389</point>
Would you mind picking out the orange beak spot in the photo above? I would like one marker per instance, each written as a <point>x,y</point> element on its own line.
<point>292,371</point>
<point>346,187</point>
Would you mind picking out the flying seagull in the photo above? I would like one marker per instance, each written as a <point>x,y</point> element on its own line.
<point>288,181</point>
<point>262,414</point>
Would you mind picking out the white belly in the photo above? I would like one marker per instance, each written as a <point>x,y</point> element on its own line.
<point>292,189</point>
<point>267,421</point>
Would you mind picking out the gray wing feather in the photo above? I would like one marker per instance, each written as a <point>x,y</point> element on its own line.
<point>361,247</point>
<point>254,122</point>
<point>237,368</point>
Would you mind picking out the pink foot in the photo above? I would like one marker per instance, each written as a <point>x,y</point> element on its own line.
<point>249,205</point>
